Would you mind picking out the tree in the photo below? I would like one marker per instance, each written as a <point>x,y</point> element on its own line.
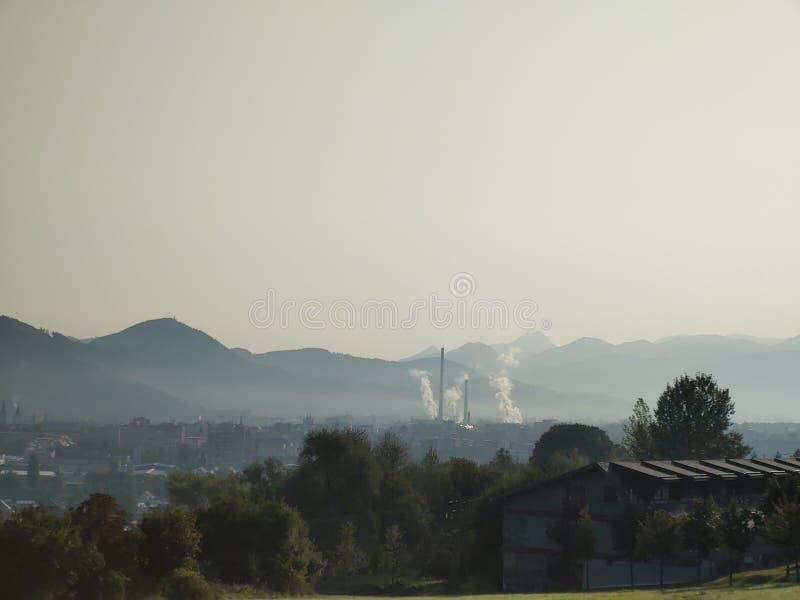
<point>782,529</point>
<point>562,462</point>
<point>781,490</point>
<point>693,418</point>
<point>195,489</point>
<point>104,525</point>
<point>185,584</point>
<point>393,552</point>
<point>347,557</point>
<point>738,529</point>
<point>638,440</point>
<point>702,530</point>
<point>563,530</point>
<point>502,460</point>
<point>43,555</point>
<point>589,440</point>
<point>338,479</point>
<point>170,540</point>
<point>624,531</point>
<point>263,543</point>
<point>266,479</point>
<point>584,540</point>
<point>658,538</point>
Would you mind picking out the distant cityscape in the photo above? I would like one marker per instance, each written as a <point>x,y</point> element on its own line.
<point>61,463</point>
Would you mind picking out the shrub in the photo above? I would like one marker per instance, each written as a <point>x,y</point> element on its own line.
<point>185,584</point>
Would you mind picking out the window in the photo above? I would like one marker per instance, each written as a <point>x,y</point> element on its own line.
<point>610,494</point>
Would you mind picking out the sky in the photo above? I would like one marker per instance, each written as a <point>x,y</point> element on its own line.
<point>618,169</point>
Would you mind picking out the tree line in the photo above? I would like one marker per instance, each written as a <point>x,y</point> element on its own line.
<point>706,528</point>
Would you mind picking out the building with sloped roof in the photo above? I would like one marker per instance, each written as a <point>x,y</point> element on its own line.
<point>531,555</point>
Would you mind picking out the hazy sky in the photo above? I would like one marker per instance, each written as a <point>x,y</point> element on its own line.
<point>633,167</point>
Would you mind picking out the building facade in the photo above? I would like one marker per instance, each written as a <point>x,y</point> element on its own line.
<point>531,554</point>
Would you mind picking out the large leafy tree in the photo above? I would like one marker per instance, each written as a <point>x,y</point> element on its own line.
<point>43,555</point>
<point>105,525</point>
<point>170,540</point>
<point>693,419</point>
<point>589,440</point>
<point>338,480</point>
<point>264,542</point>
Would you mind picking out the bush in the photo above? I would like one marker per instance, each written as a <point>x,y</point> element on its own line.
<point>113,585</point>
<point>185,584</point>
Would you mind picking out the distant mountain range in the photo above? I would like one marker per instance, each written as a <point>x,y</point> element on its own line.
<point>165,369</point>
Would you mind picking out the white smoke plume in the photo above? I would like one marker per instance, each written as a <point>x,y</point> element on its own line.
<point>508,359</point>
<point>501,382</point>
<point>454,394</point>
<point>425,391</point>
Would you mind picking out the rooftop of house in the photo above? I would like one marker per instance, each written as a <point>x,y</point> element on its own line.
<point>704,470</point>
<point>687,470</point>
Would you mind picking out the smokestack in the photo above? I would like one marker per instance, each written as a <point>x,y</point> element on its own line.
<point>466,402</point>
<point>441,386</point>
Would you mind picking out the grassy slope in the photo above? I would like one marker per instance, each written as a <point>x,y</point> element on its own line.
<point>769,585</point>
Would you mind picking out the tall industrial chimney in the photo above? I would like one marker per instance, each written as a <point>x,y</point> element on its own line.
<point>441,387</point>
<point>466,402</point>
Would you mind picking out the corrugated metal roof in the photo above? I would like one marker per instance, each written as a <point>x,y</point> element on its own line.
<point>749,464</point>
<point>733,468</point>
<point>697,465</point>
<point>642,469</point>
<point>675,469</point>
<point>774,464</point>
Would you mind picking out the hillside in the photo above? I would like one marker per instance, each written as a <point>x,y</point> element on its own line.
<point>163,368</point>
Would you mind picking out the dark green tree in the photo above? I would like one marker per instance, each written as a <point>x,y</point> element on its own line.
<point>170,540</point>
<point>782,530</point>
<point>195,489</point>
<point>738,529</point>
<point>693,419</point>
<point>624,531</point>
<point>638,440</point>
<point>266,479</point>
<point>264,543</point>
<point>43,555</point>
<point>393,552</point>
<point>104,525</point>
<point>347,557</point>
<point>781,490</point>
<point>702,528</point>
<point>337,480</point>
<point>590,441</point>
<point>502,461</point>
<point>658,539</point>
<point>562,462</point>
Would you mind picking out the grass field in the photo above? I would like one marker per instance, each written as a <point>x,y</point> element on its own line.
<point>756,584</point>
